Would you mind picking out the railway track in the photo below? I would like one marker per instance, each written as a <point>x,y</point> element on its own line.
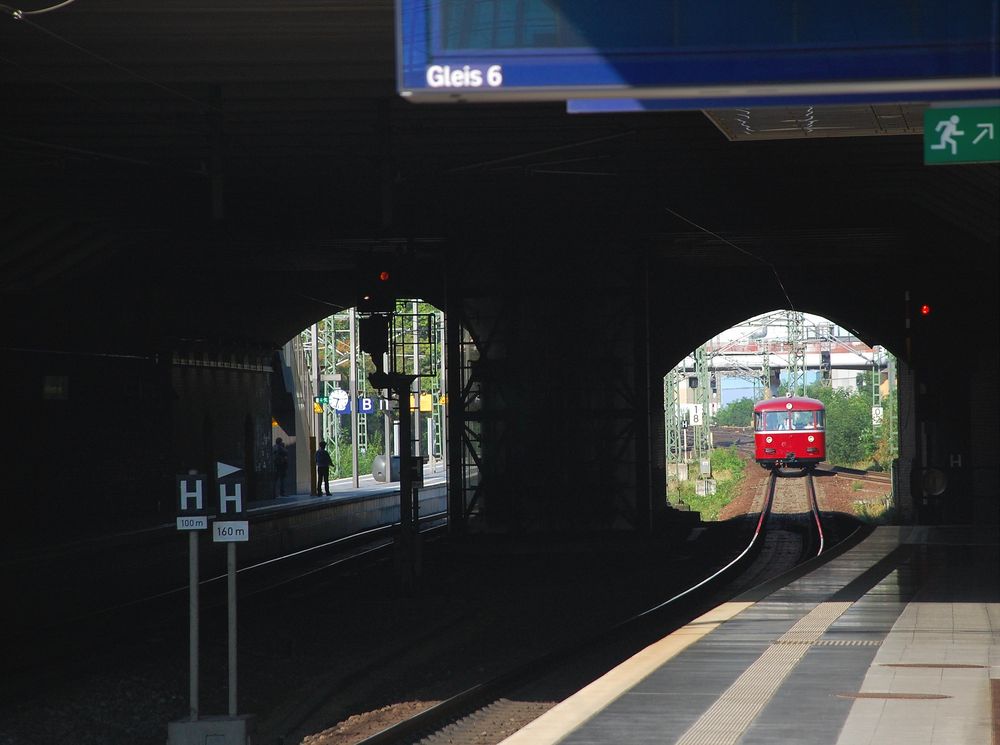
<point>794,531</point>
<point>788,531</point>
<point>502,705</point>
<point>855,474</point>
<point>37,653</point>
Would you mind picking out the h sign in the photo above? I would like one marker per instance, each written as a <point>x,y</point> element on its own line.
<point>230,489</point>
<point>230,498</point>
<point>191,488</point>
<point>191,510</point>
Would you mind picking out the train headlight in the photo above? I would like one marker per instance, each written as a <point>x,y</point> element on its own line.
<point>768,440</point>
<point>811,438</point>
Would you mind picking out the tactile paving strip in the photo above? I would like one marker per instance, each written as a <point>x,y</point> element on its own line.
<point>730,716</point>
<point>836,643</point>
<point>894,696</point>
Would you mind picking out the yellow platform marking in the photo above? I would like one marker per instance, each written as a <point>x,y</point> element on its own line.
<point>565,717</point>
<point>729,717</point>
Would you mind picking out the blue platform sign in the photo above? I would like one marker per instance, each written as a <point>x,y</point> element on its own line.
<point>342,405</point>
<point>678,51</point>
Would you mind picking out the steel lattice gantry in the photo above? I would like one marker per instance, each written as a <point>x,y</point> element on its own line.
<point>550,402</point>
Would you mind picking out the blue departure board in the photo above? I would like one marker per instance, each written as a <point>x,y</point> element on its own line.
<point>686,50</point>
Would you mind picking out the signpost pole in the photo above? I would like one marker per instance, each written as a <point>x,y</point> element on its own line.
<point>231,583</point>
<point>231,532</point>
<point>233,729</point>
<point>191,517</point>
<point>193,620</point>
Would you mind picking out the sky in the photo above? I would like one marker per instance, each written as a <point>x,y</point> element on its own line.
<point>733,389</point>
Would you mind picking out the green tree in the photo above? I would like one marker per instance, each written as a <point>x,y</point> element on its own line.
<point>736,414</point>
<point>849,436</point>
<point>886,445</point>
<point>866,382</point>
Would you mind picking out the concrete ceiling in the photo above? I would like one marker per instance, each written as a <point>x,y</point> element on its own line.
<point>788,122</point>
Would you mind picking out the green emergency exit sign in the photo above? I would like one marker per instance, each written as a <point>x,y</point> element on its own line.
<point>962,135</point>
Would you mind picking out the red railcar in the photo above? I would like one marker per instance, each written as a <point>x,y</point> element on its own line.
<point>789,432</point>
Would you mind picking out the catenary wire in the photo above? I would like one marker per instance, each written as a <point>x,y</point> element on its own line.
<point>19,14</point>
<point>751,254</point>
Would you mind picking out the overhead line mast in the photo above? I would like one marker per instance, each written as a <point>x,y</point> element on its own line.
<point>796,354</point>
<point>673,421</point>
<point>703,397</point>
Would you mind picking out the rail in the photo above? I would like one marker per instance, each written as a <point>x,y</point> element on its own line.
<point>814,509</point>
<point>492,692</point>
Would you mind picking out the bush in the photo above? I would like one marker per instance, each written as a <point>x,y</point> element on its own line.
<point>342,457</point>
<point>881,512</point>
<point>736,414</point>
<point>725,462</point>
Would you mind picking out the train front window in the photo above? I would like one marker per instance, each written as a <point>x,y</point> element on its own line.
<point>775,420</point>
<point>803,420</point>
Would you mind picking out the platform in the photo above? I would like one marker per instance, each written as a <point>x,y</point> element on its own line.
<point>897,640</point>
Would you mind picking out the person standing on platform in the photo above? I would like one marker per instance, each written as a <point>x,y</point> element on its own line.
<point>323,463</point>
<point>280,466</point>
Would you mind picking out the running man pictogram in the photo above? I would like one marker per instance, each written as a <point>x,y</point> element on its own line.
<point>949,130</point>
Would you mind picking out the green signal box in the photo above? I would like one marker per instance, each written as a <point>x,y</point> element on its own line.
<point>962,135</point>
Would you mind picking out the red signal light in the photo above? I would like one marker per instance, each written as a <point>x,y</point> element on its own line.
<point>383,276</point>
<point>925,310</point>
